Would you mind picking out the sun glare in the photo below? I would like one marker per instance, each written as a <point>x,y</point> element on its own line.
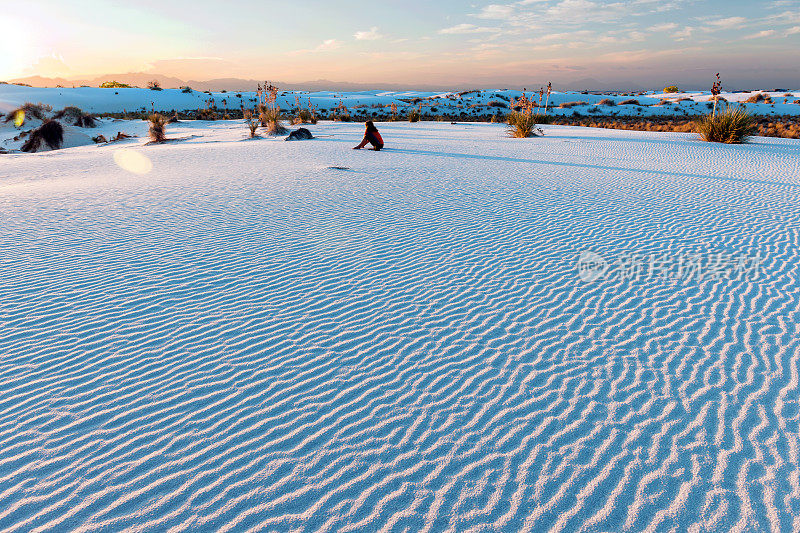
<point>15,42</point>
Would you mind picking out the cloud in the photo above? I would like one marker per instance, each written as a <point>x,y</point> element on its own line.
<point>761,34</point>
<point>496,12</point>
<point>728,23</point>
<point>326,46</point>
<point>793,31</point>
<point>372,35</point>
<point>667,26</point>
<point>463,29</point>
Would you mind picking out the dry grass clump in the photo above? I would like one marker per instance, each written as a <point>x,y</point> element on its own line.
<point>50,133</point>
<point>341,113</point>
<point>731,126</point>
<point>81,119</point>
<point>757,99</point>
<point>158,125</point>
<point>414,115</point>
<point>38,111</point>
<point>252,122</point>
<point>630,101</point>
<point>607,101</point>
<point>787,127</point>
<point>497,103</point>
<point>569,105</point>
<point>303,116</point>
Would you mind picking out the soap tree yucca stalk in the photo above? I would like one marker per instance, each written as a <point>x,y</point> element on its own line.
<point>269,110</point>
<point>731,126</point>
<point>549,90</point>
<point>715,90</point>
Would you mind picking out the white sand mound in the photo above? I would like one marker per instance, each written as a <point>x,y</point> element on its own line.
<point>302,337</point>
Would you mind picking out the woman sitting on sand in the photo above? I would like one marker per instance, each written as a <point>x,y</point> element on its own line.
<point>372,137</point>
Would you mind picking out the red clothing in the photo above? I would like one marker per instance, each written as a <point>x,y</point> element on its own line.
<point>374,138</point>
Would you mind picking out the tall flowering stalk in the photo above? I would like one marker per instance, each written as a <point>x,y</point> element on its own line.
<point>715,90</point>
<point>549,90</point>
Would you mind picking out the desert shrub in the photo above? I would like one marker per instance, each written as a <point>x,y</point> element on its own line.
<point>154,85</point>
<point>85,121</point>
<point>731,126</point>
<point>38,111</point>
<point>100,139</point>
<point>664,101</point>
<point>157,126</point>
<point>607,101</point>
<point>630,101</point>
<point>523,124</point>
<point>251,121</point>
<point>270,118</point>
<point>568,105</point>
<point>414,115</point>
<point>303,116</point>
<point>756,99</point>
<point>69,112</point>
<point>114,85</point>
<point>186,89</point>
<point>494,103</point>
<point>50,133</point>
<point>671,89</point>
<point>81,119</point>
<point>684,99</point>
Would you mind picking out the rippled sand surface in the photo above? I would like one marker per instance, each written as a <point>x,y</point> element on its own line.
<point>245,338</point>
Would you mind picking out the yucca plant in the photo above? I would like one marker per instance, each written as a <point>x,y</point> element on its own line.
<point>730,126</point>
<point>270,118</point>
<point>522,120</point>
<point>413,115</point>
<point>158,124</point>
<point>522,124</point>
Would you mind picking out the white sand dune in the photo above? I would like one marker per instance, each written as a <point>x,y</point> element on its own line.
<point>474,103</point>
<point>246,338</point>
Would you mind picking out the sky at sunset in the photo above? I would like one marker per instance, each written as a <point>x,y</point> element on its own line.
<point>443,42</point>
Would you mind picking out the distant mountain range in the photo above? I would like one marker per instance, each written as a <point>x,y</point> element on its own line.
<point>141,79</point>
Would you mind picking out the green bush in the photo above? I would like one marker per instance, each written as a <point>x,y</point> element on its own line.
<point>114,85</point>
<point>729,126</point>
<point>671,89</point>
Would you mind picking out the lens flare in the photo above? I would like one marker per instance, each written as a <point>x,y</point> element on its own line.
<point>19,118</point>
<point>132,161</point>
